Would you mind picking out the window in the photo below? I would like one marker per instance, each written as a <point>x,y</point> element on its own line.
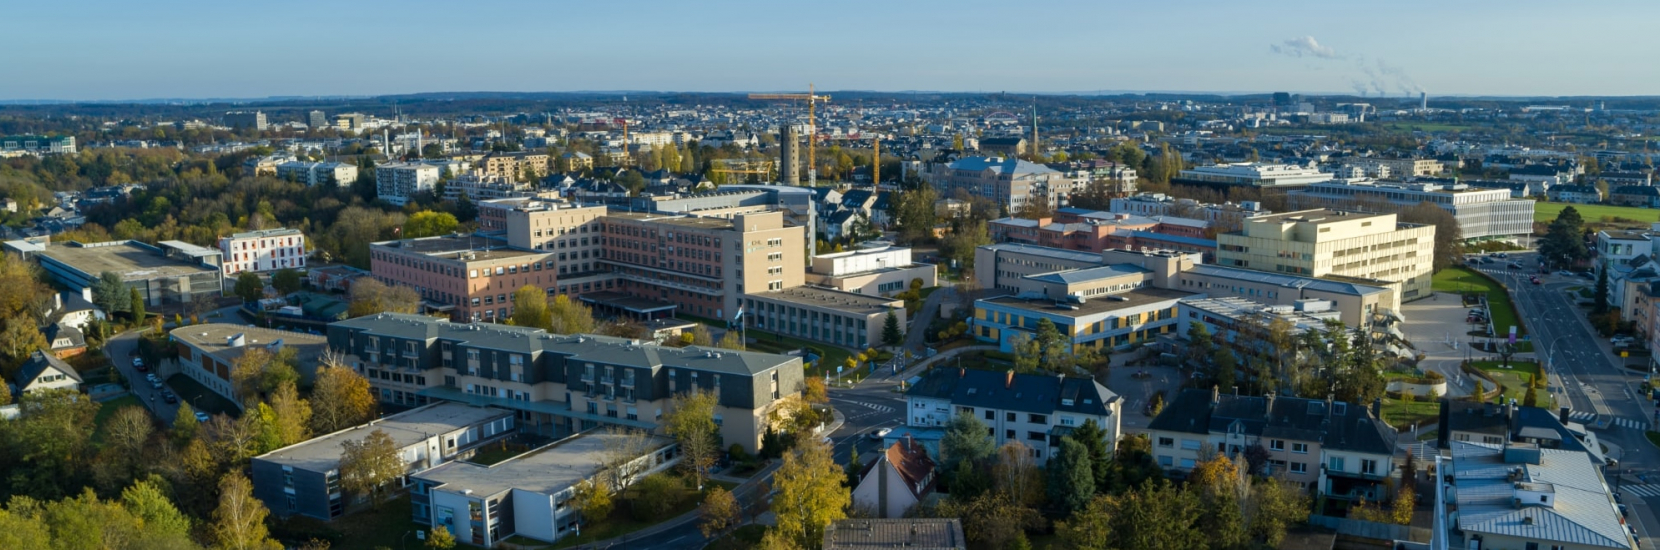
<point>1166,461</point>
<point>1299,467</point>
<point>1190,444</point>
<point>1299,448</point>
<point>1008,434</point>
<point>1368,466</point>
<point>1167,442</point>
<point>1037,419</point>
<point>1277,445</point>
<point>990,415</point>
<point>1008,416</point>
<point>1035,436</point>
<point>1336,464</point>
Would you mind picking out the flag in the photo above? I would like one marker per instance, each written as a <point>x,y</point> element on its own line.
<point>739,316</point>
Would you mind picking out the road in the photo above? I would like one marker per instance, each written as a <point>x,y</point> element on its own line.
<point>121,349</point>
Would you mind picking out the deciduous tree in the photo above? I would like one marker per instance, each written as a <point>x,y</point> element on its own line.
<point>567,316</point>
<point>340,397</point>
<point>429,224</point>
<point>369,296</point>
<point>367,466</point>
<point>286,281</point>
<point>593,498</point>
<point>691,421</point>
<point>809,493</point>
<point>530,308</point>
<point>732,340</point>
<point>239,522</point>
<point>719,511</point>
<point>250,288</point>
<point>440,539</point>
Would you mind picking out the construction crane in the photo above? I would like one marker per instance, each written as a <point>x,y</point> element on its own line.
<point>812,126</point>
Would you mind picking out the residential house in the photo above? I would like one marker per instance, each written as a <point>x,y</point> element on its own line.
<point>1495,424</point>
<point>1577,194</point>
<point>1035,410</point>
<point>1635,195</point>
<point>65,341</point>
<point>1518,495</point>
<point>901,478</point>
<point>44,371</point>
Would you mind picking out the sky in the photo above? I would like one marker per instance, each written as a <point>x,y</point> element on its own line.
<point>111,50</point>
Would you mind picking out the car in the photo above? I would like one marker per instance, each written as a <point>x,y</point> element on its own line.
<point>141,368</point>
<point>1565,273</point>
<point>169,397</point>
<point>156,384</point>
<point>1536,281</point>
<point>881,433</point>
<point>1625,512</point>
<point>138,362</point>
<point>201,416</point>
<point>1515,265</point>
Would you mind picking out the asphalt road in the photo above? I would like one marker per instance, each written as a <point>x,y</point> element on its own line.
<point>121,349</point>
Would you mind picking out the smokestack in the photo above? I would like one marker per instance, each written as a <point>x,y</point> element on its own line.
<point>789,155</point>
<point>1423,100</point>
<point>1562,416</point>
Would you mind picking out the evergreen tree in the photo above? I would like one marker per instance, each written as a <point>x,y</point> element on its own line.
<point>1600,306</point>
<point>891,334</point>
<point>1071,479</point>
<point>137,305</point>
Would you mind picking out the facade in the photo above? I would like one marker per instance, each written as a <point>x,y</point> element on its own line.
<point>1036,410</point>
<point>877,270</point>
<point>169,272</point>
<point>1252,174</point>
<point>842,318</point>
<point>896,482</point>
<point>304,478</point>
<point>516,166</point>
<point>559,385</point>
<point>1005,146</point>
<point>529,495</point>
<point>1645,196</point>
<point>44,371</point>
<point>316,120</point>
<point>1517,495</point>
<point>1493,424</point>
<point>1319,243</point>
<point>1005,180</point>
<point>37,145</point>
<point>703,265</point>
<point>1576,194</point>
<point>470,277</point>
<point>1481,212</point>
<point>482,186</point>
<point>1228,215</point>
<point>338,174</point>
<point>261,251</point>
<point>909,533</point>
<point>1342,450</point>
<point>397,182</point>
<point>246,119</point>
<point>1399,168</point>
<point>208,352</point>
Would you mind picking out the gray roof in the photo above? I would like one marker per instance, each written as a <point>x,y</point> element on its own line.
<point>321,454</point>
<point>1583,512</point>
<point>1342,426</point>
<point>1090,273</point>
<point>1286,281</point>
<point>885,534</point>
<point>548,470</point>
<point>1031,393</point>
<point>1035,250</point>
<point>1001,165</point>
<point>38,362</point>
<point>599,349</point>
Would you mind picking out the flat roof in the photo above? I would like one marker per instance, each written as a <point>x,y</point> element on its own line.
<point>547,470</point>
<point>1057,253</point>
<point>484,248</point>
<point>848,302</point>
<point>1283,280</point>
<point>321,454</point>
<point>1317,216</point>
<point>682,220</point>
<point>134,262</point>
<point>1094,305</point>
<point>1090,273</point>
<point>212,338</point>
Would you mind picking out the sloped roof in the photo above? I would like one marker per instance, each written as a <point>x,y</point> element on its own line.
<point>1340,426</point>
<point>1031,393</point>
<point>38,363</point>
<point>1580,514</point>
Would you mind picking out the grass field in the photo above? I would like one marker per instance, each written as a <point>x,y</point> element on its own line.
<point>1547,211</point>
<point>107,409</point>
<point>833,356</point>
<point>1402,415</point>
<point>1515,380</point>
<point>1458,280</point>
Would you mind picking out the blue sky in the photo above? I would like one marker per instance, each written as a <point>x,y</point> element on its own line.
<point>103,49</point>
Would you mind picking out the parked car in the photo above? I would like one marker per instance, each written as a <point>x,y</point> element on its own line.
<point>1536,281</point>
<point>169,397</point>
<point>1502,255</point>
<point>155,384</point>
<point>138,362</point>
<point>1515,265</point>
<point>201,416</point>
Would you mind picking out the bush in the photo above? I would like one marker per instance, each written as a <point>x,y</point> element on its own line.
<point>737,453</point>
<point>656,495</point>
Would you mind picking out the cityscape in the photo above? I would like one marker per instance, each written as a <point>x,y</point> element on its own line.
<point>1247,289</point>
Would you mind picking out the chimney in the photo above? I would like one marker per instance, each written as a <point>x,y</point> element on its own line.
<point>1328,406</point>
<point>1268,406</point>
<point>1377,408</point>
<point>1215,395</point>
<point>909,444</point>
<point>1510,415</point>
<point>57,302</point>
<point>86,294</point>
<point>1008,381</point>
<point>1562,416</point>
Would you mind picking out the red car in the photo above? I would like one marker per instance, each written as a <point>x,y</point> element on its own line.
<point>1536,281</point>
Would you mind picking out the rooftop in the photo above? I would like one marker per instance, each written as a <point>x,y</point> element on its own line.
<point>547,470</point>
<point>321,454</point>
<point>481,248</point>
<point>1045,251</point>
<point>1582,511</point>
<point>265,233</point>
<point>848,302</point>
<point>1317,216</point>
<point>1094,305</point>
<point>1032,393</point>
<point>1335,425</point>
<point>134,261</point>
<point>1089,274</point>
<point>214,338</point>
<point>690,222</point>
<point>885,534</point>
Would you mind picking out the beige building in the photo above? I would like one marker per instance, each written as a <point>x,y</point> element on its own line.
<point>877,271</point>
<point>521,166</point>
<point>467,276</point>
<point>842,318</point>
<point>1321,243</point>
<point>208,352</point>
<point>1400,168</point>
<point>704,265</point>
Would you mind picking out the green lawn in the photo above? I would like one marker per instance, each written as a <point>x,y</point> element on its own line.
<point>1653,438</point>
<point>770,342</point>
<point>1428,127</point>
<point>360,530</point>
<point>1592,213</point>
<point>1402,415</point>
<point>1515,380</point>
<point>622,521</point>
<point>1458,280</point>
<point>107,409</point>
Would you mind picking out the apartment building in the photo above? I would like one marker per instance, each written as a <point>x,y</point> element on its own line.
<point>1035,410</point>
<point>1152,205</point>
<point>1481,212</point>
<point>397,182</point>
<point>1341,450</point>
<point>1107,308</point>
<point>246,119</point>
<point>875,270</point>
<point>1518,495</point>
<point>337,174</point>
<point>470,277</point>
<point>479,186</point>
<point>1319,243</point>
<point>558,385</point>
<point>1005,180</point>
<point>1252,174</point>
<point>37,145</point>
<point>261,251</point>
<point>825,315</point>
<point>1397,168</point>
<point>516,166</point>
<point>1090,231</point>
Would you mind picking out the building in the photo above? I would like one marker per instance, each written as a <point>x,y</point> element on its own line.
<point>169,272</point>
<point>1626,178</point>
<point>1518,495</point>
<point>1381,168</point>
<point>1645,196</point>
<point>44,371</point>
<point>1494,424</point>
<point>266,165</point>
<point>1252,174</point>
<point>1035,410</point>
<point>263,250</point>
<point>1005,180</point>
<point>65,341</point>
<point>842,318</point>
<point>316,120</point>
<point>1481,212</point>
<point>703,265</point>
<point>1089,231</point>
<point>350,121</point>
<point>208,352</point>
<point>1577,194</point>
<point>246,119</point>
<point>1341,450</point>
<point>467,276</point>
<point>524,166</point>
<point>529,495</point>
<point>559,385</point>
<point>304,478</point>
<point>481,186</point>
<point>876,270</point>
<point>397,182</point>
<point>338,174</point>
<point>1003,146</point>
<point>37,145</point>
<point>900,478</point>
<point>1318,243</point>
<point>1152,205</point>
<point>908,533</point>
<point>577,161</point>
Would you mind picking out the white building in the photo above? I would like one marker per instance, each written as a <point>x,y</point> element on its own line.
<point>1031,409</point>
<point>265,250</point>
<point>1254,174</point>
<point>1518,495</point>
<point>397,182</point>
<point>319,173</point>
<point>879,270</point>
<point>478,186</point>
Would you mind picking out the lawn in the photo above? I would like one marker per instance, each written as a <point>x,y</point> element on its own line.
<point>497,452</point>
<point>622,520</point>
<point>1402,415</point>
<point>200,397</point>
<point>1458,280</point>
<point>107,409</point>
<point>1593,213</point>
<point>1515,380</point>
<point>1653,438</point>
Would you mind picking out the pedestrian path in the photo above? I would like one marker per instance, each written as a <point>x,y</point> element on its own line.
<point>1587,417</point>
<point>874,407</point>
<point>1644,490</point>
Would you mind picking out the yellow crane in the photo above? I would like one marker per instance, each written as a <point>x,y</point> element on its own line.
<point>812,126</point>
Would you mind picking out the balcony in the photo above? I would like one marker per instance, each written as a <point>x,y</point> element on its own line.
<point>607,380</point>
<point>628,382</point>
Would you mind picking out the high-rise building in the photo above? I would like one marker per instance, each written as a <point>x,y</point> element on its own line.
<point>397,182</point>
<point>246,119</point>
<point>1319,243</point>
<point>317,120</point>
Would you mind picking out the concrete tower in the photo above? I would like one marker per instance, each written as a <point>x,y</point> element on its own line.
<point>1423,101</point>
<point>789,155</point>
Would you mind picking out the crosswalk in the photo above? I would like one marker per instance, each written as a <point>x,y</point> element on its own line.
<point>1645,490</point>
<point>1585,417</point>
<point>874,407</point>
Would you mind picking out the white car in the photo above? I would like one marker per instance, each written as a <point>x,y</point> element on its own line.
<point>881,433</point>
<point>201,416</point>
<point>138,361</point>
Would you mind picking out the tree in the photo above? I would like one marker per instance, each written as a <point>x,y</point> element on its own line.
<point>1401,511</point>
<point>814,391</point>
<point>1599,304</point>
<point>145,500</point>
<point>20,338</point>
<point>440,539</point>
<point>891,333</point>
<point>369,296</point>
<point>720,511</point>
<point>699,336</point>
<point>618,460</point>
<point>367,466</point>
<point>991,519</point>
<point>691,422</point>
<point>808,493</point>
<point>249,287</point>
<point>914,214</point>
<point>184,423</point>
<point>530,308</point>
<point>110,293</point>
<point>732,340</point>
<point>1071,478</point>
<point>1564,244</point>
<point>1016,474</point>
<point>128,430</point>
<point>286,281</point>
<point>340,398</point>
<point>1201,347</point>
<point>966,438</point>
<point>25,294</point>
<point>293,415</point>
<point>22,530</point>
<point>1531,398</point>
<point>566,316</point>
<point>1449,236</point>
<point>1275,505</point>
<point>427,223</point>
<point>239,522</point>
<point>48,443</point>
<point>593,498</point>
<point>136,302</point>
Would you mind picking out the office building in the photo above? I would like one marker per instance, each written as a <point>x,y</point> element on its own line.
<point>1003,146</point>
<point>208,352</point>
<point>562,384</point>
<point>1381,168</point>
<point>1035,410</point>
<point>702,265</point>
<point>1005,180</point>
<point>469,277</point>
<point>1518,495</point>
<point>1089,231</point>
<point>304,478</point>
<point>842,318</point>
<point>1481,212</point>
<point>264,250</point>
<point>350,121</point>
<point>37,145</point>
<point>875,269</point>
<point>1152,205</point>
<point>1252,174</point>
<point>1341,450</point>
<point>246,120</point>
<point>397,182</point>
<point>1320,243</point>
<point>338,174</point>
<point>316,120</point>
<point>166,273</point>
<point>531,495</point>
